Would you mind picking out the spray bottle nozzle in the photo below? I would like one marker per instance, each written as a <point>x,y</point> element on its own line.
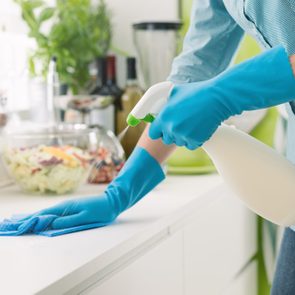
<point>133,121</point>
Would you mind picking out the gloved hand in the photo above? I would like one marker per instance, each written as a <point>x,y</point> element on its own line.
<point>195,110</point>
<point>140,174</point>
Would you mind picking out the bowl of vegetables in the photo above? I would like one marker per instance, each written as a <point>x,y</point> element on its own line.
<point>49,160</point>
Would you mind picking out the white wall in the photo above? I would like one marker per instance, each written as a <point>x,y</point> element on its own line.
<point>126,12</point>
<point>13,55</point>
<point>10,17</point>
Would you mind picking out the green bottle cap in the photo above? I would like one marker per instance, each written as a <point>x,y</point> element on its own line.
<point>149,118</point>
<point>132,121</point>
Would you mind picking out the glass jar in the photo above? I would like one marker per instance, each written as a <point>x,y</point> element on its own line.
<point>109,157</point>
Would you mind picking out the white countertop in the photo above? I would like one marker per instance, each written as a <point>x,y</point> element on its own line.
<point>36,264</point>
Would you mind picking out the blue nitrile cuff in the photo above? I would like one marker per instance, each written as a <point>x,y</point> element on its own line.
<point>139,176</point>
<point>260,82</point>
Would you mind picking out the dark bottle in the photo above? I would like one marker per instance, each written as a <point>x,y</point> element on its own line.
<point>111,76</point>
<point>102,107</point>
<point>115,90</point>
<point>132,94</point>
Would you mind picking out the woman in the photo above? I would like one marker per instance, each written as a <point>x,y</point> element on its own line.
<point>205,94</point>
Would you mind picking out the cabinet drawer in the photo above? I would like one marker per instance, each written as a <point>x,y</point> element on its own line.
<point>157,272</point>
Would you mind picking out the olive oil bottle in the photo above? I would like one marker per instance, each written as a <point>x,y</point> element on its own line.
<point>131,95</point>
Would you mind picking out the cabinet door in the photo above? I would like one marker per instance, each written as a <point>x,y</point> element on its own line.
<point>157,272</point>
<point>217,243</point>
<point>245,284</point>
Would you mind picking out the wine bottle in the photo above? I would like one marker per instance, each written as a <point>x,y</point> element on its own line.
<point>103,109</point>
<point>114,89</point>
<point>112,78</point>
<point>132,94</point>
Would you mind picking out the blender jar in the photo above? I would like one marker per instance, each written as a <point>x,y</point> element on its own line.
<point>156,44</point>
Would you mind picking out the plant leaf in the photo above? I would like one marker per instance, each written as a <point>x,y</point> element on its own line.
<point>34,3</point>
<point>32,69</point>
<point>46,14</point>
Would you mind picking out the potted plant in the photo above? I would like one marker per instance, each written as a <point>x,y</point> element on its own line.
<point>74,31</point>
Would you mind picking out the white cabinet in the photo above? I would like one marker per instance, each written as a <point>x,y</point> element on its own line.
<point>246,284</point>
<point>218,241</point>
<point>201,257</point>
<point>158,272</point>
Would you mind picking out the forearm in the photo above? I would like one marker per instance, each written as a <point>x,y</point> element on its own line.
<point>156,148</point>
<point>292,61</point>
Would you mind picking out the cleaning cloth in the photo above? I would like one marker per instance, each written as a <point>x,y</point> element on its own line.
<point>39,225</point>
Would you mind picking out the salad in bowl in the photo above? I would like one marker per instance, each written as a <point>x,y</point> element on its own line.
<point>50,160</point>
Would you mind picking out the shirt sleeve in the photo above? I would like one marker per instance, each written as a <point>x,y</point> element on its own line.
<point>209,45</point>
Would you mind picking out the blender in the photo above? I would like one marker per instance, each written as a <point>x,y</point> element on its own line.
<point>157,44</point>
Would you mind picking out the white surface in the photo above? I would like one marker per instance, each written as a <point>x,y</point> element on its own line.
<point>10,17</point>
<point>157,272</point>
<point>35,264</point>
<point>246,284</point>
<point>217,244</point>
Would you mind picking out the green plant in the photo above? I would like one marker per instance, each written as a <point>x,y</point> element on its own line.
<point>74,31</point>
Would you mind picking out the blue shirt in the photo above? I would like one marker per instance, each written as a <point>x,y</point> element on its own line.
<point>216,29</point>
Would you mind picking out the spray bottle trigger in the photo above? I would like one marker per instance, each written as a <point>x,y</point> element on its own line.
<point>149,118</point>
<point>133,121</point>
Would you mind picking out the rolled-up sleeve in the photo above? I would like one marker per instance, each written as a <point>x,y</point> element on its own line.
<point>209,45</point>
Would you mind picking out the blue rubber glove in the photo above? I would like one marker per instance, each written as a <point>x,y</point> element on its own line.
<point>195,110</point>
<point>140,174</point>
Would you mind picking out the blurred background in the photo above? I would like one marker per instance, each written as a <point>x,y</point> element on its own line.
<point>14,34</point>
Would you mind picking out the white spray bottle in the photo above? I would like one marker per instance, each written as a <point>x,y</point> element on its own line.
<point>263,179</point>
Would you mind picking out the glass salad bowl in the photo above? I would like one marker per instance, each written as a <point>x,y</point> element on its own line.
<point>52,160</point>
<point>57,160</point>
